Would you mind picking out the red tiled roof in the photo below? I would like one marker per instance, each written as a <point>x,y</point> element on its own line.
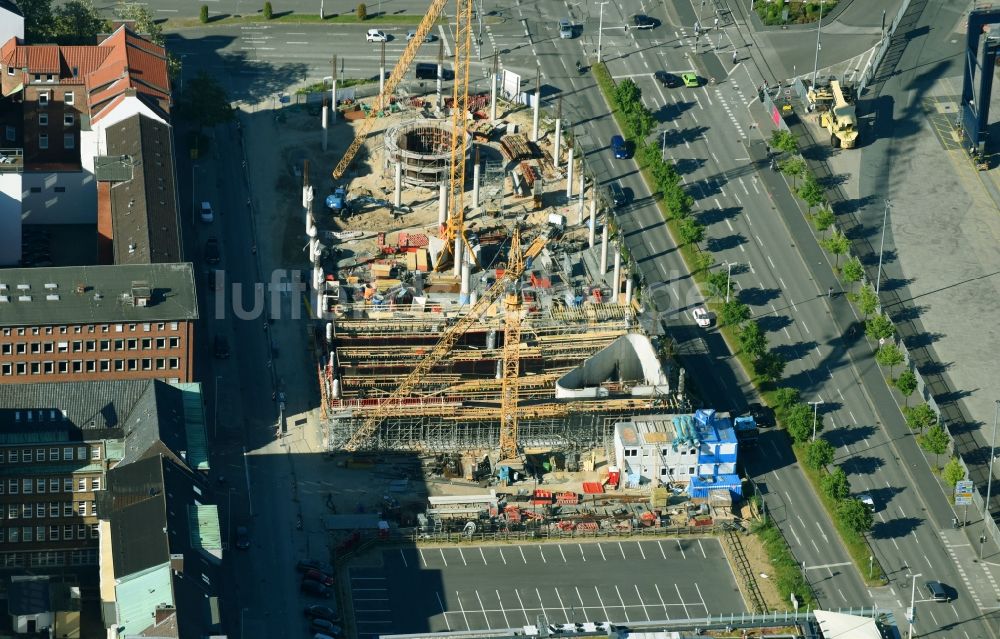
<point>85,60</point>
<point>11,54</point>
<point>43,58</point>
<point>132,63</point>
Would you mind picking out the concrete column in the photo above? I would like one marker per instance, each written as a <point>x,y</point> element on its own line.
<point>463,295</point>
<point>593,221</point>
<point>440,79</point>
<point>628,289</point>
<point>555,148</point>
<point>604,249</point>
<point>534,116</point>
<point>326,116</point>
<point>381,80</point>
<point>442,203</point>
<point>333,99</point>
<point>616,278</point>
<point>583,183</point>
<point>475,185</point>
<point>569,174</point>
<point>493,97</point>
<point>458,255</point>
<point>398,199</point>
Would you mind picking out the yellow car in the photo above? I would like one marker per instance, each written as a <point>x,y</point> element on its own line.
<point>690,79</point>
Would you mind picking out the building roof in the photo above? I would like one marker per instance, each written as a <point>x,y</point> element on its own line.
<point>67,411</point>
<point>139,593</point>
<point>28,596</point>
<point>143,206</point>
<point>134,66</point>
<point>72,63</point>
<point>9,5</point>
<point>93,294</point>
<point>158,418</point>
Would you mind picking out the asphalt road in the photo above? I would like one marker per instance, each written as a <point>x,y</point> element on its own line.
<point>442,589</point>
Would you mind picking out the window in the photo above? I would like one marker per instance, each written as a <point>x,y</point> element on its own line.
<point>105,365</point>
<point>133,344</point>
<point>69,97</point>
<point>43,97</point>
<point>131,328</point>
<point>27,486</point>
<point>12,511</point>
<point>48,77</point>
<point>173,326</point>
<point>40,486</point>
<point>175,342</point>
<point>53,455</point>
<point>90,345</point>
<point>43,141</point>
<point>68,454</point>
<point>119,364</point>
<point>67,532</point>
<point>26,453</point>
<point>3,491</point>
<point>81,484</point>
<point>10,133</point>
<point>36,368</point>
<point>67,484</point>
<point>39,511</point>
<point>22,348</point>
<point>133,364</point>
<point>91,366</point>
<point>26,511</point>
<point>8,349</point>
<point>81,508</point>
<point>93,531</point>
<point>95,483</point>
<point>68,119</point>
<point>12,534</point>
<point>26,533</point>
<point>7,369</point>
<point>147,342</point>
<point>43,119</point>
<point>13,455</point>
<point>161,363</point>
<point>53,533</point>
<point>48,347</point>
<point>77,345</point>
<point>119,328</point>
<point>10,70</point>
<point>105,345</point>
<point>36,347</point>
<point>161,342</point>
<point>119,344</point>
<point>68,509</point>
<point>81,531</point>
<point>81,452</point>
<point>147,364</point>
<point>62,347</point>
<point>12,486</point>
<point>691,470</point>
<point>22,368</point>
<point>93,508</point>
<point>63,367</point>
<point>69,142</point>
<point>53,509</point>
<point>174,363</point>
<point>95,453</point>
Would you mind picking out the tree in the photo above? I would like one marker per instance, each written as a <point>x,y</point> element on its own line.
<point>362,11</point>
<point>691,230</point>
<point>920,416</point>
<point>77,22</point>
<point>627,95</point>
<point>811,192</point>
<point>203,15</point>
<point>204,101</point>
<point>838,244</point>
<point>785,398</point>
<point>702,261</point>
<point>734,313</point>
<point>145,22</point>
<point>934,441</point>
<point>769,367</point>
<point>792,167</point>
<point>819,453</point>
<point>867,300</point>
<point>799,422</point>
<point>889,355</point>
<point>855,515</point>
<point>783,141</point>
<point>853,271</point>
<point>268,11</point>
<point>717,282</point>
<point>879,327</point>
<point>906,383</point>
<point>752,340</point>
<point>835,485</point>
<point>824,219</point>
<point>953,472</point>
<point>37,20</point>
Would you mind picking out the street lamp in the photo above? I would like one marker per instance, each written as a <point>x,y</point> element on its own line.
<point>881,247</point>
<point>913,601</point>
<point>600,31</point>
<point>815,406</point>
<point>819,26</point>
<point>989,480</point>
<point>729,276</point>
<point>246,471</point>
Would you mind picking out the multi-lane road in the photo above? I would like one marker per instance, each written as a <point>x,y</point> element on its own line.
<point>752,223</point>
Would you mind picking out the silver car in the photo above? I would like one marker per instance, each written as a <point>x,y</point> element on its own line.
<point>565,29</point>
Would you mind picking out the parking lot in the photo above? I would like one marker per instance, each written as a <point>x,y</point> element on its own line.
<point>478,587</point>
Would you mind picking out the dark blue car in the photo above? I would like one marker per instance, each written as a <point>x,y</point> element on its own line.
<point>619,147</point>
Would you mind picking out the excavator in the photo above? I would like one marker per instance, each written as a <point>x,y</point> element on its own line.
<point>837,113</point>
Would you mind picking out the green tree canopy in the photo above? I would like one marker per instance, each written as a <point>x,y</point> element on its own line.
<point>835,485</point>
<point>852,271</point>
<point>837,244</point>
<point>920,416</point>
<point>811,192</point>
<point>935,441</point>
<point>752,340</point>
<point>889,355</point>
<point>906,383</point>
<point>717,283</point>
<point>799,422</point>
<point>879,327</point>
<point>792,167</point>
<point>785,397</point>
<point>953,472</point>
<point>78,23</point>
<point>819,453</point>
<point>204,101</point>
<point>769,367</point>
<point>867,300</point>
<point>783,141</point>
<point>37,20</point>
<point>855,515</point>
<point>823,219</point>
<point>734,313</point>
<point>627,94</point>
<point>691,230</point>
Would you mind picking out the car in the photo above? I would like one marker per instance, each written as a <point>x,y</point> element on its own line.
<point>207,214</point>
<point>321,577</point>
<point>412,33</point>
<point>212,252</point>
<point>314,564</point>
<point>867,500</point>
<point>220,347</point>
<point>374,35</point>
<point>762,415</point>
<point>702,317</point>
<point>937,592</point>
<point>325,626</point>
<point>669,80</point>
<point>690,79</point>
<point>617,193</point>
<point>426,71</point>
<point>319,611</point>
<point>565,29</point>
<point>242,537</point>
<point>315,588</point>
<point>619,147</point>
<point>643,21</point>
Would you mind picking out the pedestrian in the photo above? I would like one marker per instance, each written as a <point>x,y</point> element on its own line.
<point>716,23</point>
<point>829,292</point>
<point>735,56</point>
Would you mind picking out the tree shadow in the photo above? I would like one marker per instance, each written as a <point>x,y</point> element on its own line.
<point>677,137</point>
<point>921,340</point>
<point>773,323</point>
<point>895,283</point>
<point>758,296</point>
<point>719,244</point>
<point>833,181</point>
<point>685,166</point>
<point>791,352</point>
<point>708,217</point>
<point>847,436</point>
<point>852,205</point>
<point>895,528</point>
<point>860,465</point>
<point>953,396</point>
<point>903,314</point>
<point>929,368</point>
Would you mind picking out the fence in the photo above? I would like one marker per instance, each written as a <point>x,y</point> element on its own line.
<point>413,535</point>
<point>868,74</point>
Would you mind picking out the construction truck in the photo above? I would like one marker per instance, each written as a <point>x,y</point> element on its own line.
<point>337,201</point>
<point>836,113</point>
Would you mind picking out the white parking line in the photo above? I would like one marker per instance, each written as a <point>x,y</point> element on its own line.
<point>703,604</point>
<point>562,553</point>
<point>681,548</point>
<point>602,552</point>
<point>462,555</point>
<point>441,550</point>
<point>405,565</point>
<point>622,601</point>
<point>481,606</point>
<point>542,553</point>
<point>540,602</point>
<point>702,550</point>
<point>500,603</point>
<point>642,603</point>
<point>622,550</point>
<point>686,615</point>
<point>423,561</point>
<point>462,608</point>
<point>523,558</point>
<point>582,556</point>
<point>562,605</point>
<point>641,551</point>
<point>444,613</point>
<point>523,611</point>
<point>662,603</point>
<point>661,549</point>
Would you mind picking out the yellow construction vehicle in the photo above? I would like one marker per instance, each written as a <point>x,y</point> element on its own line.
<point>840,118</point>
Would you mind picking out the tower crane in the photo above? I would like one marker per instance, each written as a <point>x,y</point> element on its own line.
<point>508,410</point>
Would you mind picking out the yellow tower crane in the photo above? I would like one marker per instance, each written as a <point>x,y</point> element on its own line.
<point>394,403</point>
<point>509,384</point>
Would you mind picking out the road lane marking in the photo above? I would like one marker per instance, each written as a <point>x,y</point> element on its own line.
<point>825,566</point>
<point>782,282</point>
<point>769,260</point>
<point>804,325</point>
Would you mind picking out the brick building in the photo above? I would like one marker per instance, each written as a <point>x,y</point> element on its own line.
<point>97,323</point>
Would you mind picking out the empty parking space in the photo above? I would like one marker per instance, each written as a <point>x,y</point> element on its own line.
<point>476,587</point>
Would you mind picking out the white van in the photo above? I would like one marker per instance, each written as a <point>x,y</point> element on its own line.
<point>207,214</point>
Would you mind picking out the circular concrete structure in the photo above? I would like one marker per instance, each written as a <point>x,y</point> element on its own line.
<point>423,147</point>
